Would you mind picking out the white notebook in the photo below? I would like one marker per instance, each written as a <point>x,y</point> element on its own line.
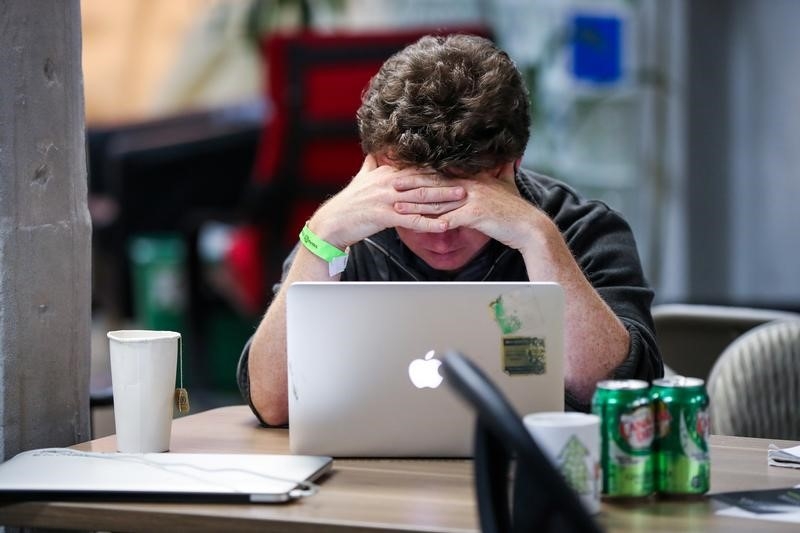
<point>68,474</point>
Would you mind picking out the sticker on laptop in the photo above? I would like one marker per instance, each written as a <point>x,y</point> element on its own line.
<point>523,352</point>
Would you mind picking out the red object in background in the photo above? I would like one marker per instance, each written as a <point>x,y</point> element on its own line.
<point>245,264</point>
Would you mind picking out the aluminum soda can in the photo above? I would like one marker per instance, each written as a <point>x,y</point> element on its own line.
<point>683,465</point>
<point>626,437</point>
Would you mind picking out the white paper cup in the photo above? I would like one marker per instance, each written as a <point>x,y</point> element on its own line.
<point>143,365</point>
<point>572,442</point>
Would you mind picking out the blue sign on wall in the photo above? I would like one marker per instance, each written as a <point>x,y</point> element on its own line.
<point>596,44</point>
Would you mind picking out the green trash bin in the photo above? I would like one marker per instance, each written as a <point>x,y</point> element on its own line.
<point>158,267</point>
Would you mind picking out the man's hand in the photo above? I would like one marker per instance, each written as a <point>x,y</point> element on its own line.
<point>493,205</point>
<point>369,203</point>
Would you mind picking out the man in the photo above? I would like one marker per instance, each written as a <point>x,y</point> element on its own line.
<point>440,196</point>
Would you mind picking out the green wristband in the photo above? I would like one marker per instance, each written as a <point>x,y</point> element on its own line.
<point>336,258</point>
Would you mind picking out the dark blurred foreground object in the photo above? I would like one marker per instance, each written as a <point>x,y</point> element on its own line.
<point>506,455</point>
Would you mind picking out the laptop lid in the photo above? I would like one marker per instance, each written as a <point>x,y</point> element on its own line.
<point>363,362</point>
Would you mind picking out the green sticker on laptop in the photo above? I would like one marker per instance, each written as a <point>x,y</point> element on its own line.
<point>522,354</point>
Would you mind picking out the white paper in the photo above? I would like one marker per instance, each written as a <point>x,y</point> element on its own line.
<point>736,512</point>
<point>774,505</point>
<point>786,457</point>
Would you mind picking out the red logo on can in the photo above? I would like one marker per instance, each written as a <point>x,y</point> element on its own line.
<point>703,424</point>
<point>637,427</point>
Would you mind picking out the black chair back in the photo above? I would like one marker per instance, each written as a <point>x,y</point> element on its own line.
<point>506,456</point>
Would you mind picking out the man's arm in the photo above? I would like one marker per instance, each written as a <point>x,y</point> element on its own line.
<point>596,341</point>
<point>267,359</point>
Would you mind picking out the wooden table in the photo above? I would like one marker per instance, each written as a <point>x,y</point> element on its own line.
<point>394,495</point>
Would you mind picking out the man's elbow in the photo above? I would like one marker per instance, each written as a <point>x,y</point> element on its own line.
<point>272,413</point>
<point>581,390</point>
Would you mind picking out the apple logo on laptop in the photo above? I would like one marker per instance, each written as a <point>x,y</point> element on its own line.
<point>424,373</point>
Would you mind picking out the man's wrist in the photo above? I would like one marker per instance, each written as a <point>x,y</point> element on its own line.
<point>335,257</point>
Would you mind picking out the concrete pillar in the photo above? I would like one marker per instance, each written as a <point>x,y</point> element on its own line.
<point>45,231</point>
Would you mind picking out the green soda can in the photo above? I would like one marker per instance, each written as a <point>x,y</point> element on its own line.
<point>626,437</point>
<point>683,465</point>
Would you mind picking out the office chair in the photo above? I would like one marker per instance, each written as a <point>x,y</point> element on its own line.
<point>542,500</point>
<point>692,336</point>
<point>754,387</point>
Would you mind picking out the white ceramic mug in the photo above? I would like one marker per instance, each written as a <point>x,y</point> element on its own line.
<point>143,365</point>
<point>572,443</point>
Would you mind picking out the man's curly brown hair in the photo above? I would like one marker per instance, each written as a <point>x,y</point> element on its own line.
<point>452,103</point>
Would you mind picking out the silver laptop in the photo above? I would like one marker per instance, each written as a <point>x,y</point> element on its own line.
<point>69,474</point>
<point>363,362</point>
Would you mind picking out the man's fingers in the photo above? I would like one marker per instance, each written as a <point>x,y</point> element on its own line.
<point>432,208</point>
<point>422,223</point>
<point>410,179</point>
<point>427,195</point>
